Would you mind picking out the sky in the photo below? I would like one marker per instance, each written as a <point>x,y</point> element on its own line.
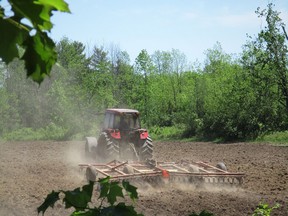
<point>191,26</point>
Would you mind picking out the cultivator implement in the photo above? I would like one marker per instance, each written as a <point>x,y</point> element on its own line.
<point>155,172</point>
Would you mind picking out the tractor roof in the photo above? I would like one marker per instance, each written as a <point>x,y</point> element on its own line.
<point>122,110</point>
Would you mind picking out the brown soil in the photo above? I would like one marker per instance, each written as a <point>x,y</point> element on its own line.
<point>31,170</point>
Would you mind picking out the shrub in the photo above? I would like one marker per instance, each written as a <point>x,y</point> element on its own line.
<point>264,209</point>
<point>167,133</point>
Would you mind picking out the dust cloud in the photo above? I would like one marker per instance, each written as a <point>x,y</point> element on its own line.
<point>75,155</point>
<point>146,188</point>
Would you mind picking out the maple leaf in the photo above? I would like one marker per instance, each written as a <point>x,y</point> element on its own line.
<point>39,50</point>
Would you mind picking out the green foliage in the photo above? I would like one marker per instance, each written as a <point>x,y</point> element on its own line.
<point>265,62</point>
<point>167,133</point>
<point>226,99</point>
<point>39,50</point>
<point>131,190</point>
<point>111,191</point>
<point>264,209</point>
<point>50,200</point>
<point>80,199</point>
<point>279,138</point>
<point>50,132</point>
<point>27,134</point>
<point>8,114</point>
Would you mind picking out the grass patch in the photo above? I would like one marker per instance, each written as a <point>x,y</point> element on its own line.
<point>166,133</point>
<point>51,132</point>
<point>275,138</point>
<point>178,133</point>
<point>191,139</point>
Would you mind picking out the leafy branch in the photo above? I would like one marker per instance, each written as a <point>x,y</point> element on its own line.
<point>79,199</point>
<point>39,49</point>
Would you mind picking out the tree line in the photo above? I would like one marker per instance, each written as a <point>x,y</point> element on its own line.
<point>227,96</point>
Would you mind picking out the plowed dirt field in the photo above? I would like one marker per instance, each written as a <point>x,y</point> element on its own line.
<point>31,170</point>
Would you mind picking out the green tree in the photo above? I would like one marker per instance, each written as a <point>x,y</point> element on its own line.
<point>178,67</point>
<point>71,56</point>
<point>143,69</point>
<point>123,80</point>
<point>265,60</point>
<point>224,99</point>
<point>272,39</point>
<point>70,90</point>
<point>8,105</point>
<point>99,80</point>
<point>162,97</point>
<point>26,96</point>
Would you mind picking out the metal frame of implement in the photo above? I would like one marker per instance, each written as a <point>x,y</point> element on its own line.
<point>194,172</point>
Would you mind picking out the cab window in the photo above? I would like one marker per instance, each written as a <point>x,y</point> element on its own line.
<point>117,121</point>
<point>106,120</point>
<point>111,121</point>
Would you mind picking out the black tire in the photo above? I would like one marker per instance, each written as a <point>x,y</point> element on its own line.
<point>146,150</point>
<point>107,149</point>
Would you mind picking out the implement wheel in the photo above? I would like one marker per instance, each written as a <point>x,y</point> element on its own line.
<point>128,169</point>
<point>221,166</point>
<point>91,174</point>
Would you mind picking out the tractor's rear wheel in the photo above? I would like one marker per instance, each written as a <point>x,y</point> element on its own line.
<point>107,149</point>
<point>146,150</point>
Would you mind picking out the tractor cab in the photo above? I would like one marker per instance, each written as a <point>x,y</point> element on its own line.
<point>122,119</point>
<point>124,124</point>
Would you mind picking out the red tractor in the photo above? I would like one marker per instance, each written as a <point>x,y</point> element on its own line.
<point>121,138</point>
